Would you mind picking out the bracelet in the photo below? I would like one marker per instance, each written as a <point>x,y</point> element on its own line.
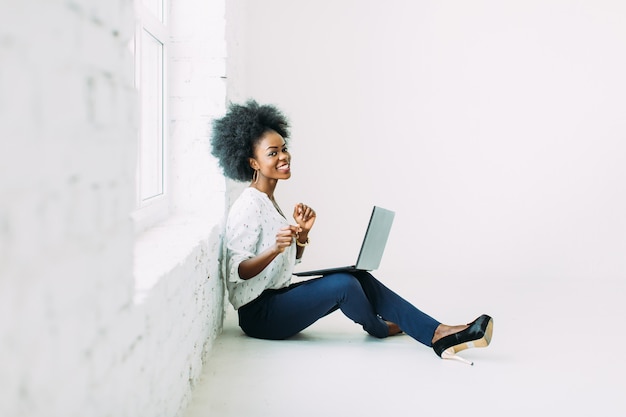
<point>303,244</point>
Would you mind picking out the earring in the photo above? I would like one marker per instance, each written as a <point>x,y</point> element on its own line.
<point>255,176</point>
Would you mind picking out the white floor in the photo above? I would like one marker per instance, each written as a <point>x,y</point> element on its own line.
<point>556,350</point>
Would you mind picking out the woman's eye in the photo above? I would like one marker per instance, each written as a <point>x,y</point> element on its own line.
<point>271,154</point>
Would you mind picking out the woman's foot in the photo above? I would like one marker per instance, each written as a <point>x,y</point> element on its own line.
<point>394,329</point>
<point>448,340</point>
<point>444,330</point>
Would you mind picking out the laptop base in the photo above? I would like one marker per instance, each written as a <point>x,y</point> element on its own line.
<point>326,271</point>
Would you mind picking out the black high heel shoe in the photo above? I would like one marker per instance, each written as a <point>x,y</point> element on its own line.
<point>478,334</point>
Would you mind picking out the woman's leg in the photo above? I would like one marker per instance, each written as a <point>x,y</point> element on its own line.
<point>278,314</point>
<point>390,306</point>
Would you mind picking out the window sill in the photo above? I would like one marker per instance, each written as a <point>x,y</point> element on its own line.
<point>163,247</point>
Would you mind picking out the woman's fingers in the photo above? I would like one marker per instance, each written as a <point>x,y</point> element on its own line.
<point>285,236</point>
<point>303,213</point>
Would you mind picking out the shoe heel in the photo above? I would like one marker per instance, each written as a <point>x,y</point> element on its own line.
<point>451,355</point>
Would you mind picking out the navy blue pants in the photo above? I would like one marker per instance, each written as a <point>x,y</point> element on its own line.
<point>279,314</point>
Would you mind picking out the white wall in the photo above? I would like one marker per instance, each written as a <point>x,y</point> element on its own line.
<point>494,129</point>
<point>94,320</point>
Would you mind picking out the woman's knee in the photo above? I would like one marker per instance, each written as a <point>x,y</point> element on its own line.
<point>342,283</point>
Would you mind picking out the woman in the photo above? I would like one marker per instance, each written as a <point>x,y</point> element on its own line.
<point>262,248</point>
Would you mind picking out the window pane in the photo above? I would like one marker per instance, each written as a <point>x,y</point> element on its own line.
<point>151,91</point>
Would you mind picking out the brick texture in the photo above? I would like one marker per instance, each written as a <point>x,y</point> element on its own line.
<point>75,340</point>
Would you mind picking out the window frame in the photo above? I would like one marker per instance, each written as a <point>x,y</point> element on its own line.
<point>153,209</point>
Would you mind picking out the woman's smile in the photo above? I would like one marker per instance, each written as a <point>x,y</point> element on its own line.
<point>284,168</point>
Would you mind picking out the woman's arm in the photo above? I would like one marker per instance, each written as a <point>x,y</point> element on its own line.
<point>305,217</point>
<point>303,239</point>
<point>253,266</point>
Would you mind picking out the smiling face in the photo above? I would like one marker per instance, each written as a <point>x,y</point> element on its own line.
<point>271,158</point>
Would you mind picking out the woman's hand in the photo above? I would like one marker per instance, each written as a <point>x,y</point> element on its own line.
<point>252,267</point>
<point>285,236</point>
<point>305,217</point>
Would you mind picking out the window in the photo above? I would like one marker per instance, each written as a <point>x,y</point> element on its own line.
<point>150,52</point>
<point>179,51</point>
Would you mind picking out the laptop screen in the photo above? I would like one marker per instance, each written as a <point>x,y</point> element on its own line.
<point>375,239</point>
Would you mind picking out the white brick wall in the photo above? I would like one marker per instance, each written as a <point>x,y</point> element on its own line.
<point>76,337</point>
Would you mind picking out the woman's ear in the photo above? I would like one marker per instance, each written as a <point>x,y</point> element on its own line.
<point>253,164</point>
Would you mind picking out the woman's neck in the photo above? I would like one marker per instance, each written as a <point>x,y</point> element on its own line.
<point>266,187</point>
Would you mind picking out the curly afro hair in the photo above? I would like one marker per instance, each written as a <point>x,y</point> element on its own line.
<point>235,135</point>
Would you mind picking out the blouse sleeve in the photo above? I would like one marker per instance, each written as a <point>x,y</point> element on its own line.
<point>243,233</point>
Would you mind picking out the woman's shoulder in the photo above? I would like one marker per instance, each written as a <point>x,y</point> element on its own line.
<point>249,203</point>
<point>249,196</point>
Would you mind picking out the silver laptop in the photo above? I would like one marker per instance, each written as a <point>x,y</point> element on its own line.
<point>372,248</point>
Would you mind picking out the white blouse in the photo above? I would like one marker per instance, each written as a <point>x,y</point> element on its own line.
<point>251,227</point>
